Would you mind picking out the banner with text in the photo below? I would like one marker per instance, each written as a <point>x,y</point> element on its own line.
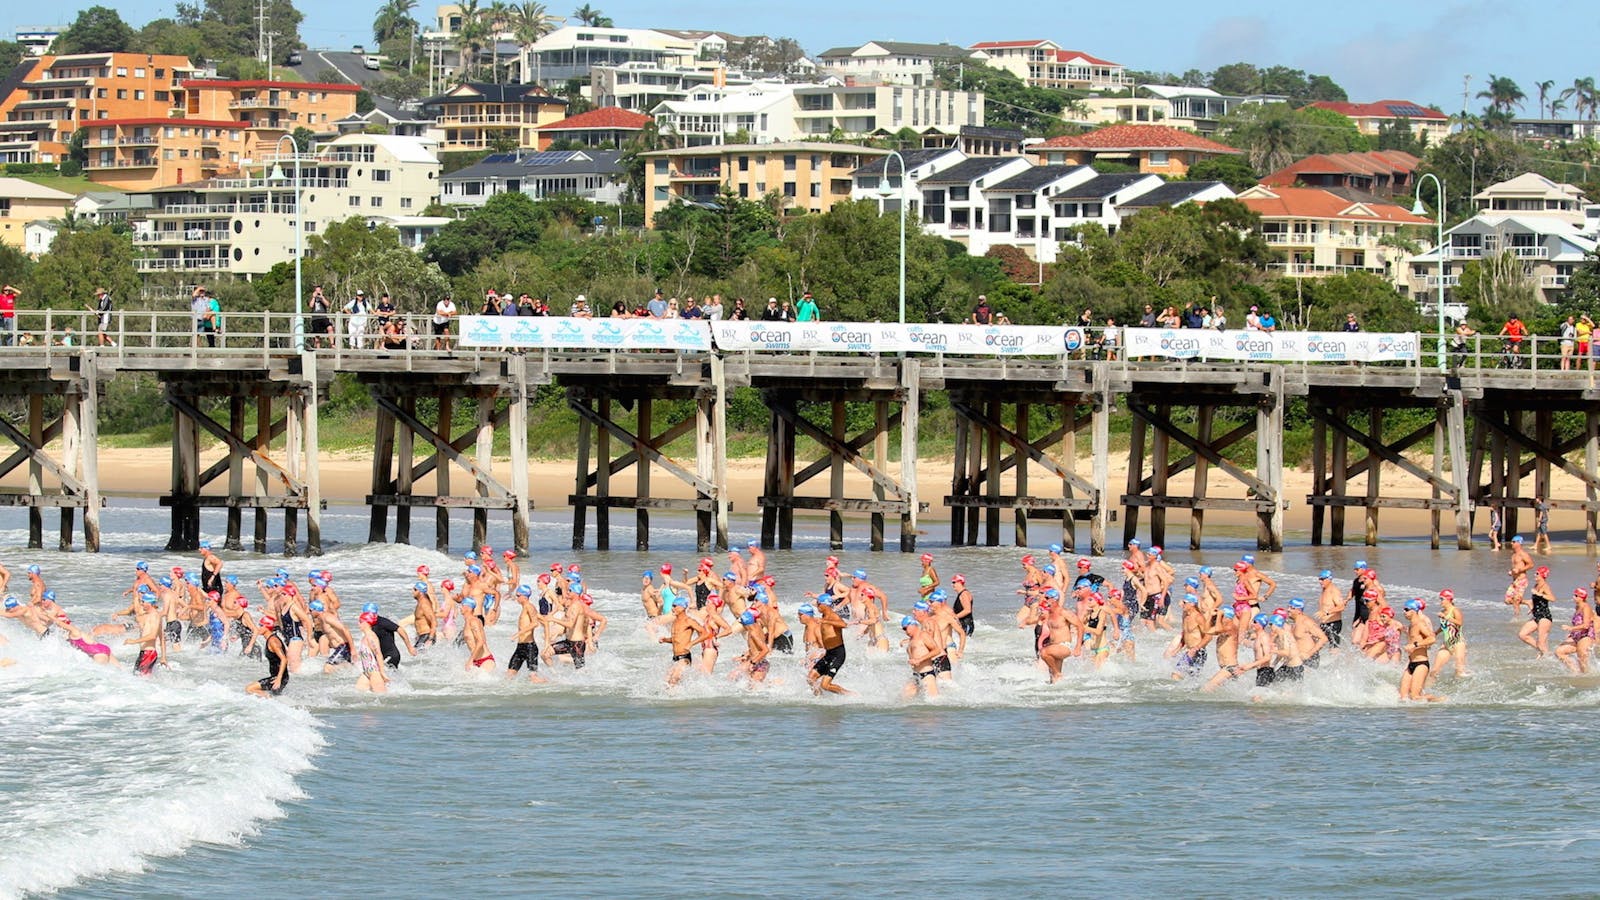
<point>1277,346</point>
<point>564,333</point>
<point>892,337</point>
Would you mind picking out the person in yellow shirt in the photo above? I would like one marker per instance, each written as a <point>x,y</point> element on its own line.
<point>1585,330</point>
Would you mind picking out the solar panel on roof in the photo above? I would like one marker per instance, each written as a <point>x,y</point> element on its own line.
<point>548,157</point>
<point>1406,109</point>
<point>499,158</point>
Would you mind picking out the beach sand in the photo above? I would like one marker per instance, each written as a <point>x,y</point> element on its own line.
<point>147,472</point>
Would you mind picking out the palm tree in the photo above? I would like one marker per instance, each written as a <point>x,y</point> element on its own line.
<point>497,17</point>
<point>1557,106</point>
<point>471,36</point>
<point>530,22</point>
<point>1503,94</point>
<point>1269,138</point>
<point>394,20</point>
<point>588,15</point>
<point>1583,97</point>
<point>1545,89</point>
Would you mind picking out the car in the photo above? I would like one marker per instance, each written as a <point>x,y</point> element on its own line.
<point>370,62</point>
<point>359,50</point>
<point>294,58</point>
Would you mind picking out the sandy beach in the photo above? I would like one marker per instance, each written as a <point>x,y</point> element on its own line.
<point>346,478</point>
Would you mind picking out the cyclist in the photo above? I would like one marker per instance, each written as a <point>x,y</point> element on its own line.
<point>1513,332</point>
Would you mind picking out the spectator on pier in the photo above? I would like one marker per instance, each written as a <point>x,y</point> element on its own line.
<point>712,308</point>
<point>1219,318</point>
<point>739,314</point>
<point>772,313</point>
<point>657,307</point>
<point>1267,323</point>
<point>1148,320</point>
<point>1252,320</point>
<point>356,325</point>
<point>321,325</point>
<point>8,315</point>
<point>1191,316</point>
<point>1350,323</point>
<point>509,305</point>
<point>807,311</point>
<point>207,315</point>
<point>491,305</point>
<point>982,314</point>
<point>1569,340</point>
<point>102,311</point>
<point>619,310</point>
<point>692,310</point>
<point>534,307</point>
<point>443,312</point>
<point>385,311</point>
<point>1086,319</point>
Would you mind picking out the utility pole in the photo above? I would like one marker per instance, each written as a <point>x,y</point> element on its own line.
<point>261,31</point>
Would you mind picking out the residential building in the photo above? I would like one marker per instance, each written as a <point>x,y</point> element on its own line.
<point>890,62</point>
<point>387,117</point>
<point>36,39</point>
<point>268,109</point>
<point>107,207</point>
<point>414,231</point>
<point>1330,232</point>
<point>596,175</point>
<point>1549,250</point>
<point>1194,109</point>
<point>608,126</point>
<point>1020,209</point>
<point>1158,149</point>
<point>865,109</point>
<point>953,203</point>
<point>1047,64</point>
<point>1382,173</point>
<point>642,86</point>
<point>144,154</point>
<point>976,140</point>
<point>245,225</point>
<point>574,51</point>
<point>1532,194</point>
<point>37,237</point>
<point>809,176</point>
<point>23,202</point>
<point>1369,117</point>
<point>903,176</point>
<point>62,93</point>
<point>1171,194</point>
<point>764,112</point>
<point>1551,132</point>
<point>480,116</point>
<point>1096,200</point>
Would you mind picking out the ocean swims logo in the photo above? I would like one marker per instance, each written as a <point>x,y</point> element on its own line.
<point>646,334</point>
<point>1002,341</point>
<point>926,339</point>
<point>526,333</point>
<point>608,335</point>
<point>771,339</point>
<point>484,330</point>
<point>1178,345</point>
<point>1397,346</point>
<point>568,331</point>
<point>1253,347</point>
<point>1326,348</point>
<point>687,336</point>
<point>846,337</point>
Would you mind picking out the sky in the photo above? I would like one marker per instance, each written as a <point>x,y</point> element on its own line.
<point>1376,49</point>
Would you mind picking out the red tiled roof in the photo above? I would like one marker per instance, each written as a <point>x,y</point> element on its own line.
<point>1063,56</point>
<point>612,117</point>
<point>197,83</point>
<point>1314,203</point>
<point>1001,45</point>
<point>1374,162</point>
<point>1382,109</point>
<point>1137,137</point>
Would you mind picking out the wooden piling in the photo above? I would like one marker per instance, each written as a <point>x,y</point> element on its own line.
<point>1460,468</point>
<point>35,472</point>
<point>910,421</point>
<point>836,477</point>
<point>1100,447</point>
<point>382,472</point>
<point>311,440</point>
<point>1158,480</point>
<point>991,530</point>
<point>230,540</point>
<point>880,459</point>
<point>1069,458</point>
<point>405,473</point>
<point>1197,516</point>
<point>1020,518</point>
<point>958,484</point>
<point>1130,512</point>
<point>441,515</point>
<point>1374,474</point>
<point>580,486</point>
<point>262,443</point>
<point>89,443</point>
<point>1341,477</point>
<point>484,445</point>
<point>517,425</point>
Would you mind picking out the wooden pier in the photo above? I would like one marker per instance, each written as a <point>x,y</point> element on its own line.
<point>1495,439</point>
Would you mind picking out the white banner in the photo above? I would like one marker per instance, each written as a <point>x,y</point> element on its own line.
<point>561,332</point>
<point>892,337</point>
<point>1277,346</point>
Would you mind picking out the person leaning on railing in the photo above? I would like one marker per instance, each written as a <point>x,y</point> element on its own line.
<point>8,315</point>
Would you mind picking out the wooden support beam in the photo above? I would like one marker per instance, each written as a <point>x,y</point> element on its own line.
<point>52,430</point>
<point>1202,474</point>
<point>311,444</point>
<point>1591,459</point>
<point>769,484</point>
<point>1020,515</point>
<point>89,445</point>
<point>39,460</point>
<point>236,445</point>
<point>442,443</point>
<point>71,456</point>
<point>643,448</point>
<point>445,502</point>
<point>991,517</point>
<point>293,453</point>
<point>1456,435</point>
<point>677,430</point>
<point>484,444</point>
<point>444,453</point>
<point>1522,442</point>
<point>602,476</point>
<point>1136,438</point>
<point>580,510</point>
<point>1158,484</point>
<point>837,451</point>
<point>1069,458</point>
<point>880,458</point>
<point>1385,453</point>
<point>230,540</point>
<point>382,462</point>
<point>958,482</point>
<point>405,481</point>
<point>1261,487</point>
<point>719,449</point>
<point>837,447</point>
<point>641,517</point>
<point>974,476</point>
<point>262,441</point>
<point>1513,466</point>
<point>1341,473</point>
<point>842,504</point>
<point>1439,444</point>
<point>517,432</point>
<point>704,441</point>
<point>1319,476</point>
<point>786,437</point>
<point>910,420</point>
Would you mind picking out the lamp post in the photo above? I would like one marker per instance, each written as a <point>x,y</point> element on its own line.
<point>277,177</point>
<point>1417,209</point>
<point>886,192</point>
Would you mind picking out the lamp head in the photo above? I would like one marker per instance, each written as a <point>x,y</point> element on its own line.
<point>276,175</point>
<point>1417,209</point>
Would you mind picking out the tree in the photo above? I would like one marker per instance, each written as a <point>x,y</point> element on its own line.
<point>1503,94</point>
<point>471,37</point>
<point>1546,89</point>
<point>98,29</point>
<point>1472,158</point>
<point>79,262</point>
<point>395,19</point>
<point>167,36</point>
<point>1265,131</point>
<point>591,17</point>
<point>1236,78</point>
<point>1008,102</point>
<point>1232,171</point>
<point>1582,97</point>
<point>1496,287</point>
<point>11,53</point>
<point>303,138</point>
<point>348,255</point>
<point>508,221</point>
<point>15,266</point>
<point>759,53</point>
<point>1401,135</point>
<point>531,21</point>
<point>228,28</point>
<point>1376,303</point>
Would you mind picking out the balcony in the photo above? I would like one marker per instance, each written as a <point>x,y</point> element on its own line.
<point>217,209</point>
<point>1530,251</point>
<point>173,264</point>
<point>1556,282</point>
<point>135,163</point>
<point>698,173</point>
<point>1449,281</point>
<point>1465,252</point>
<point>1312,270</point>
<point>492,119</point>
<point>128,141</point>
<point>259,103</point>
<point>184,236</point>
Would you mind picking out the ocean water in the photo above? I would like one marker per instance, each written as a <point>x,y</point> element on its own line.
<point>1117,782</point>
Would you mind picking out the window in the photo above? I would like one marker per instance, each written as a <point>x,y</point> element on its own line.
<point>661,167</point>
<point>138,73</point>
<point>744,163</point>
<point>1066,210</point>
<point>5,206</point>
<point>1158,157</point>
<point>472,188</point>
<point>101,93</point>
<point>122,71</point>
<point>1000,215</point>
<point>933,207</point>
<point>1092,210</point>
<point>816,161</point>
<point>122,93</point>
<point>788,163</point>
<point>744,190</point>
<point>376,202</point>
<point>789,189</point>
<point>958,192</point>
<point>162,96</point>
<point>761,187</point>
<point>355,201</point>
<point>405,202</point>
<point>1025,201</point>
<point>816,189</point>
<point>161,73</point>
<point>169,132</point>
<point>138,95</point>
<point>381,175</point>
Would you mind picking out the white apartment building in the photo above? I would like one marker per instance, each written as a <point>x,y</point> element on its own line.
<point>770,111</point>
<point>764,111</point>
<point>642,86</point>
<point>1532,194</point>
<point>575,50</point>
<point>893,62</point>
<point>246,225</point>
<point>1549,250</point>
<point>1047,64</point>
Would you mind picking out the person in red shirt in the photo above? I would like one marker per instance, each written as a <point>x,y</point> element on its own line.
<point>8,315</point>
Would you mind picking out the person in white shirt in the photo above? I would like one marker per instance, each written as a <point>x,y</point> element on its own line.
<point>711,310</point>
<point>443,312</point>
<point>357,310</point>
<point>1252,322</point>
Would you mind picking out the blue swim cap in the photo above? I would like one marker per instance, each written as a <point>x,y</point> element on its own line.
<point>1192,582</point>
<point>11,603</point>
<point>1297,603</point>
<point>1278,621</point>
<point>205,545</point>
<point>470,555</point>
<point>860,573</point>
<point>148,598</point>
<point>747,618</point>
<point>318,582</point>
<point>1206,571</point>
<point>468,601</point>
<point>164,581</point>
<point>1325,574</point>
<point>648,575</point>
<point>524,591</point>
<point>1049,568</point>
<point>728,576</point>
<point>921,606</point>
<point>825,600</point>
<point>1133,543</point>
<point>142,566</point>
<point>1190,598</point>
<point>313,575</point>
<point>1055,548</point>
<point>807,609</point>
<point>907,621</point>
<point>283,573</point>
<point>231,579</point>
<point>1248,558</point>
<point>475,570</point>
<point>1516,539</point>
<point>1227,612</point>
<point>192,578</point>
<point>680,601</point>
<point>49,595</point>
<point>1360,564</point>
<point>938,596</point>
<point>1260,619</point>
<point>825,595</point>
<point>489,600</point>
<point>369,607</point>
<point>1413,605</point>
<point>1052,593</point>
<point>318,606</point>
<point>752,544</point>
<point>420,587</point>
<point>33,570</point>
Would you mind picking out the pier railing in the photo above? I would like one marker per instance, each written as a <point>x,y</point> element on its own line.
<point>263,335</point>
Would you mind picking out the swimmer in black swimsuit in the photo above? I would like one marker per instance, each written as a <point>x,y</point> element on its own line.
<point>1536,631</point>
